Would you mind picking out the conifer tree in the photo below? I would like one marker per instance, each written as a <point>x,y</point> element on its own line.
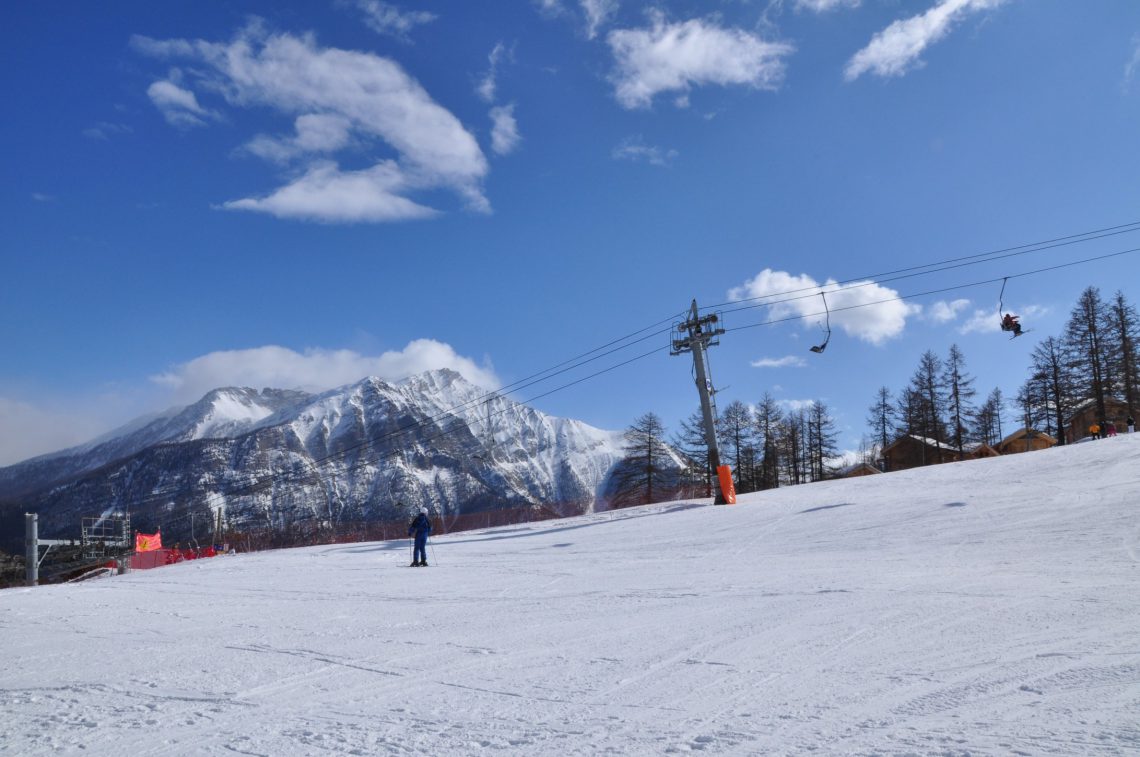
<point>735,430</point>
<point>823,437</point>
<point>639,475</point>
<point>1055,377</point>
<point>1086,350</point>
<point>959,392</point>
<point>769,419</point>
<point>693,444</point>
<point>987,421</point>
<point>881,416</point>
<point>1122,330</point>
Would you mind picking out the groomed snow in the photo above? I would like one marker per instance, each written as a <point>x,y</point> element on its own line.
<point>988,607</point>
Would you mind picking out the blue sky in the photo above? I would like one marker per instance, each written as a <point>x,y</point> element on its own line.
<point>302,194</point>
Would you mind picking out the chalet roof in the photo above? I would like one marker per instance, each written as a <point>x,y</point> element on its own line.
<point>857,466</point>
<point>1080,407</point>
<point>1021,433</point>
<point>924,440</point>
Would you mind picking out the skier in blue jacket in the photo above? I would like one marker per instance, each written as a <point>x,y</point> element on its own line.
<point>421,527</point>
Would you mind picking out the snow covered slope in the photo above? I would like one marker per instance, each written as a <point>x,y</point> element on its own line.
<point>988,607</point>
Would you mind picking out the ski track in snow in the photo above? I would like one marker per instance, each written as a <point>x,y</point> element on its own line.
<point>980,608</point>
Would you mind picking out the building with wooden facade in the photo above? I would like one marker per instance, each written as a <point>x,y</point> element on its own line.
<point>1025,440</point>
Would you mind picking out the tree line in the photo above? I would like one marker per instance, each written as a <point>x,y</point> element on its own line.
<point>768,446</point>
<point>765,445</point>
<point>1093,360</point>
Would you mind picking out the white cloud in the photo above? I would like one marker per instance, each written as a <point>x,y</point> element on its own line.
<point>504,130</point>
<point>942,311</point>
<point>850,304</point>
<point>796,405</point>
<point>31,427</point>
<point>823,6</point>
<point>597,12</point>
<point>314,369</point>
<point>178,106</point>
<point>635,149</point>
<point>327,194</point>
<point>668,57</point>
<point>315,133</point>
<point>488,84</point>
<point>791,361</point>
<point>41,197</point>
<point>349,93</point>
<point>896,49</point>
<point>386,18</point>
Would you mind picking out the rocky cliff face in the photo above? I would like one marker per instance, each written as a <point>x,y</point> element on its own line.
<point>370,451</point>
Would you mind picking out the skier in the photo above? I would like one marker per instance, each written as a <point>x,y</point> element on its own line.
<point>421,527</point>
<point>1010,323</point>
<point>1131,425</point>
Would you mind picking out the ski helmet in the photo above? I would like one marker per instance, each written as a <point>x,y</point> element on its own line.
<point>423,511</point>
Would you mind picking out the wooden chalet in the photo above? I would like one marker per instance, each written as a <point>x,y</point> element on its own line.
<point>1085,415</point>
<point>911,451</point>
<point>1025,440</point>
<point>859,469</point>
<point>978,450</point>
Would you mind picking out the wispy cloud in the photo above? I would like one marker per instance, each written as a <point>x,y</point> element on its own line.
<point>504,129</point>
<point>489,82</point>
<point>41,197</point>
<point>104,130</point>
<point>943,312</point>
<point>896,49</point>
<point>675,57</point>
<point>597,13</point>
<point>796,405</point>
<point>862,309</point>
<point>390,20</point>
<point>333,96</point>
<point>635,149</point>
<point>179,106</point>
<point>824,6</point>
<point>1133,63</point>
<point>791,361</point>
<point>314,369</point>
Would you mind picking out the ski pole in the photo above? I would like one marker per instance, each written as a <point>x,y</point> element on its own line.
<point>434,559</point>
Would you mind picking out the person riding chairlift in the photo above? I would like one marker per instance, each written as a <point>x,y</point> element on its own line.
<point>1009,323</point>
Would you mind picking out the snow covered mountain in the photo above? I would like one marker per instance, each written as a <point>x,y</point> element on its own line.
<point>221,413</point>
<point>369,451</point>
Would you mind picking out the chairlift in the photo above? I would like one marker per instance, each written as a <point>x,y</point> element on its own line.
<point>819,348</point>
<point>1007,321</point>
